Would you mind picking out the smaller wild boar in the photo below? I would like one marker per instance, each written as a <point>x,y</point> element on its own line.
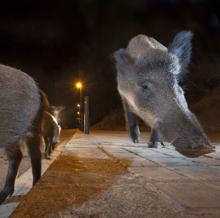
<point>56,112</point>
<point>21,113</point>
<point>50,130</point>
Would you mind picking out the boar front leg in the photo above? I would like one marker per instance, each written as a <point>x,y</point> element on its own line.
<point>14,157</point>
<point>132,123</point>
<point>155,139</point>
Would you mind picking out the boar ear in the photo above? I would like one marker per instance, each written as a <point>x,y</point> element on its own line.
<point>181,47</point>
<point>122,59</point>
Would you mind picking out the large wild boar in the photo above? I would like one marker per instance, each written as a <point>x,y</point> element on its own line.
<point>50,132</point>
<point>148,76</point>
<point>21,111</point>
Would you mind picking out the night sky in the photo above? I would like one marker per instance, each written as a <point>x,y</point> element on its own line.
<point>59,42</point>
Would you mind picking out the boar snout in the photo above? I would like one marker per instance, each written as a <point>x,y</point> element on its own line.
<point>196,152</point>
<point>184,131</point>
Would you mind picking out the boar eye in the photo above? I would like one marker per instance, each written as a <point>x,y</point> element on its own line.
<point>145,87</point>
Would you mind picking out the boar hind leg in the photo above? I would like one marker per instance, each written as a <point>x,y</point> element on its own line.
<point>14,157</point>
<point>155,139</point>
<point>132,123</point>
<point>48,149</point>
<point>33,143</point>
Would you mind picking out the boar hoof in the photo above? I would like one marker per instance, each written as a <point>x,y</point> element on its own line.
<point>154,144</point>
<point>135,140</point>
<point>47,156</point>
<point>5,193</point>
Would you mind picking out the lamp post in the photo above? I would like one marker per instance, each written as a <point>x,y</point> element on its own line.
<point>79,86</point>
<point>86,115</point>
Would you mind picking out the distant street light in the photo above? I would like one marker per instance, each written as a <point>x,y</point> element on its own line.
<point>79,86</point>
<point>83,107</point>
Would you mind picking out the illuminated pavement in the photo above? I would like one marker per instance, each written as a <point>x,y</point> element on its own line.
<point>105,175</point>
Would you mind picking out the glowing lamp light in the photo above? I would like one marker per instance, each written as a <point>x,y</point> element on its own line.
<point>78,112</point>
<point>78,85</point>
<point>78,105</point>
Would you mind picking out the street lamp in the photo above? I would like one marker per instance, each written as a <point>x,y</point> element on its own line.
<point>79,86</point>
<point>83,107</point>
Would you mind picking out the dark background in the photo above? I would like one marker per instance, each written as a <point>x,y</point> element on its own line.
<point>59,42</point>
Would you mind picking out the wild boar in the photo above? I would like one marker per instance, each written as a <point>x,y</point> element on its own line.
<point>50,132</point>
<point>148,76</point>
<point>21,113</point>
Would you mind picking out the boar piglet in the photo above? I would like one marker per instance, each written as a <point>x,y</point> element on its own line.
<point>50,132</point>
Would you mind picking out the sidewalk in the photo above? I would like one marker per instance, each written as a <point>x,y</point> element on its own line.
<point>105,175</point>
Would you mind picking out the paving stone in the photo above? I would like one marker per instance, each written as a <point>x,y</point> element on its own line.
<point>85,152</point>
<point>200,172</point>
<point>213,155</point>
<point>111,149</point>
<point>173,161</point>
<point>214,184</point>
<point>208,161</point>
<point>7,209</point>
<point>192,195</point>
<point>137,162</point>
<point>158,174</point>
<point>120,153</point>
<point>146,153</point>
<point>171,152</point>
